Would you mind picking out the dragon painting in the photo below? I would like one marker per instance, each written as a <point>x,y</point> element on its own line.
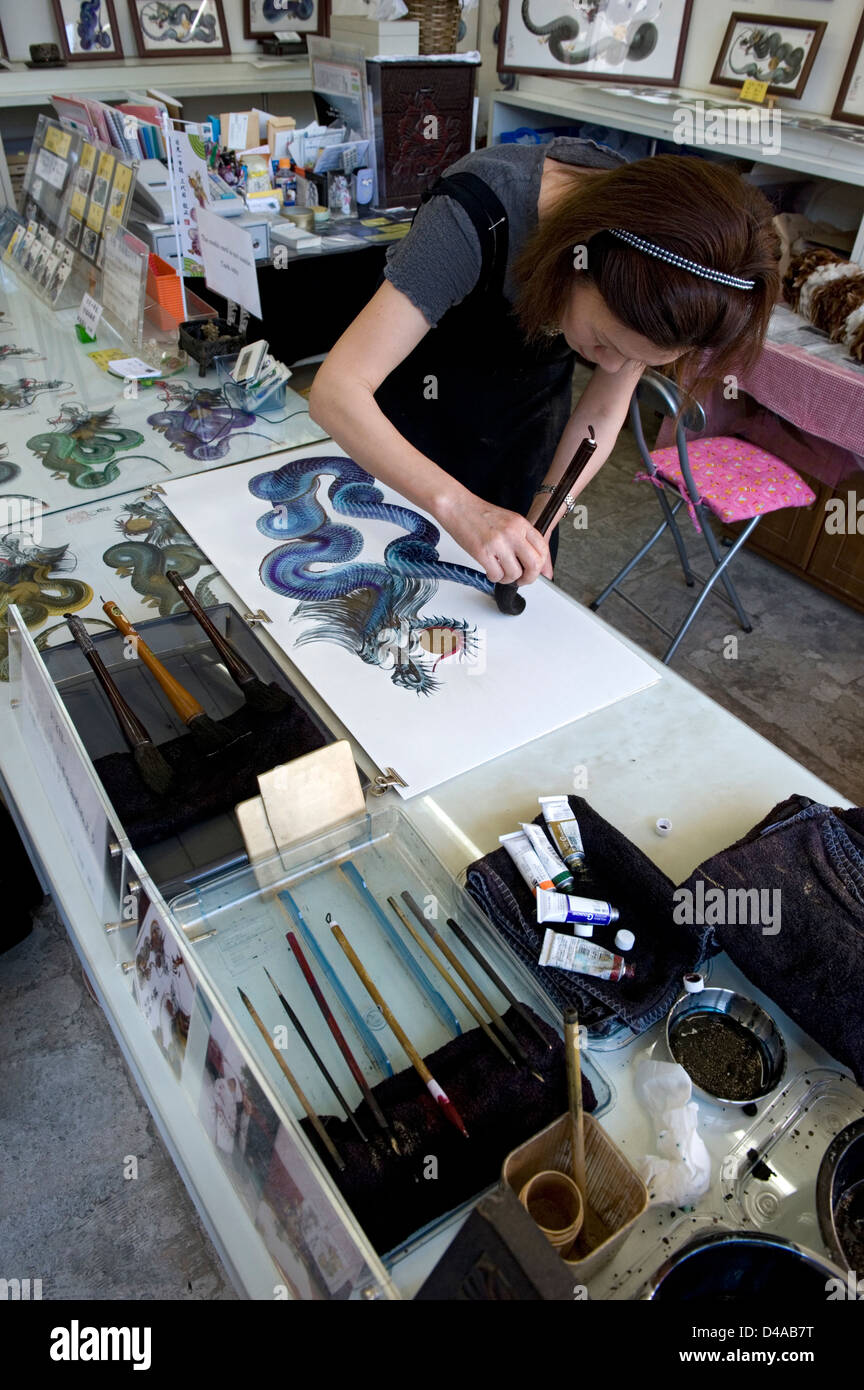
<point>364,606</point>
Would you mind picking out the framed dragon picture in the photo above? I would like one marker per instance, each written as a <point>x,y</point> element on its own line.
<point>621,41</point>
<point>264,18</point>
<point>88,30</point>
<point>190,29</point>
<point>849,105</point>
<point>768,48</point>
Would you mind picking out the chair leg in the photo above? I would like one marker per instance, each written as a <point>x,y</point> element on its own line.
<point>669,512</point>
<point>711,542</point>
<point>630,565</point>
<point>709,584</point>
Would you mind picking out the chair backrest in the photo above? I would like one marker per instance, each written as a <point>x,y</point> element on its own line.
<point>659,392</point>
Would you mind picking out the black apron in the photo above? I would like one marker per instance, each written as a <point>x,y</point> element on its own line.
<point>473,396</point>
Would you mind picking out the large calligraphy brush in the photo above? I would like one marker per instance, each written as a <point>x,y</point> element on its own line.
<point>482,999</point>
<point>154,770</point>
<point>437,1092</point>
<point>204,730</point>
<point>507,596</point>
<point>304,1037</point>
<point>269,699</point>
<point>294,1084</point>
<point>353,1065</point>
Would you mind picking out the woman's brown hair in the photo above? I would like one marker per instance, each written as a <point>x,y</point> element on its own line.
<point>696,209</point>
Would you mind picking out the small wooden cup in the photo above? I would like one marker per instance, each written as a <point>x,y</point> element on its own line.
<point>554,1203</point>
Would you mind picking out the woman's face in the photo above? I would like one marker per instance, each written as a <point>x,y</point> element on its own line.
<point>596,334</point>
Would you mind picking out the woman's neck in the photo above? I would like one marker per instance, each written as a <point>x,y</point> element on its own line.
<point>556,180</point>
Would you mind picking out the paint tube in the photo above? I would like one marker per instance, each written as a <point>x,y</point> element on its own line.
<point>563,907</point>
<point>564,829</point>
<point>556,869</point>
<point>524,856</point>
<point>582,957</point>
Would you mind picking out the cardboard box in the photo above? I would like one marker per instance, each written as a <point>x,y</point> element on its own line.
<point>280,129</point>
<point>239,130</point>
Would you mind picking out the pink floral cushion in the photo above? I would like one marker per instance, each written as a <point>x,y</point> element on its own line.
<point>736,480</point>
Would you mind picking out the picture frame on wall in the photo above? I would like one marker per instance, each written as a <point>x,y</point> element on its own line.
<point>554,38</point>
<point>849,105</point>
<point>264,18</point>
<point>768,48</point>
<point>88,30</point>
<point>179,28</point>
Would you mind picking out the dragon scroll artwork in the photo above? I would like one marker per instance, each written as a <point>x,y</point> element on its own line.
<point>368,608</point>
<point>390,622</point>
<point>599,38</point>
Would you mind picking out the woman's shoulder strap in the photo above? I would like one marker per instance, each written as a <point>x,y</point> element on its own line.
<point>488,217</point>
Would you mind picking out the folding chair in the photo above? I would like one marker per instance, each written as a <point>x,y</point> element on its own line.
<point>730,477</point>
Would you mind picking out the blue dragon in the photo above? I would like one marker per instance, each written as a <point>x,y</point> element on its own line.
<point>363,606</point>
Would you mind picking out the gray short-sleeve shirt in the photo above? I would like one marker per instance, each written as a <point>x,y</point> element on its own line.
<point>438,263</point>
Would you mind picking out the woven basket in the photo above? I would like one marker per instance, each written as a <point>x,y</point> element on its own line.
<point>439,24</point>
<point>617,1196</point>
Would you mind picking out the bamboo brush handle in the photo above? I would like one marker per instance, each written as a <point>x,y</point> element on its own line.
<point>185,704</point>
<point>395,1027</point>
<point>133,730</point>
<point>238,668</point>
<point>574,1093</point>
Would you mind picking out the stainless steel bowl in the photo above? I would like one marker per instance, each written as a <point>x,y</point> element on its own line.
<point>727,1266</point>
<point>841,1173</point>
<point>750,1016</point>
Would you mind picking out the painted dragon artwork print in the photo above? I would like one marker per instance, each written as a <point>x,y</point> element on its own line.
<point>84,448</point>
<point>363,606</point>
<point>32,576</point>
<point>151,542</point>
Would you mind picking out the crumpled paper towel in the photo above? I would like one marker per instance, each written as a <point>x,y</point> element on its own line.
<point>680,1171</point>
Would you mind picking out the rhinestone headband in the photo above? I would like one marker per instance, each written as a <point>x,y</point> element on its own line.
<point>649,249</point>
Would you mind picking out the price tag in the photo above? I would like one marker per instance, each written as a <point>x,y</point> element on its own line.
<point>132,368</point>
<point>753,90</point>
<point>89,314</point>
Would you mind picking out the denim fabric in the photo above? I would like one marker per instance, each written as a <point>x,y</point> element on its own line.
<point>813,966</point>
<point>623,875</point>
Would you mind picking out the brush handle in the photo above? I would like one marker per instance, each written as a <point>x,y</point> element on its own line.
<point>133,730</point>
<point>574,1095</point>
<point>185,704</point>
<point>238,669</point>
<point>507,596</point>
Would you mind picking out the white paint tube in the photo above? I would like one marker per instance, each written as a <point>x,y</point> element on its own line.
<point>524,856</point>
<point>563,907</point>
<point>564,829</point>
<point>553,863</point>
<point>582,957</point>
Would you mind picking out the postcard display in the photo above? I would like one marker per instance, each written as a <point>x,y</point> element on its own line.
<point>76,192</point>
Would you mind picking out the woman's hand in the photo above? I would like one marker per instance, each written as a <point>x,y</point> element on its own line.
<point>503,543</point>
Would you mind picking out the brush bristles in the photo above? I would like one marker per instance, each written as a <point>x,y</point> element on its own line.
<point>153,769</point>
<point>208,733</point>
<point>269,699</point>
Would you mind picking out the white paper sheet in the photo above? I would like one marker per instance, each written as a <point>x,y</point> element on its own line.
<point>518,678</point>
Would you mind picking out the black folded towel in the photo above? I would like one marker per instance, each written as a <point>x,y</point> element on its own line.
<point>810,960</point>
<point>623,875</point>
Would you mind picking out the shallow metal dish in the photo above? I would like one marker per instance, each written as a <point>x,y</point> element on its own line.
<point>750,1016</point>
<point>842,1168</point>
<point>725,1266</point>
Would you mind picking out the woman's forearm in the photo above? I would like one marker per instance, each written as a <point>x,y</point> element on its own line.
<point>348,411</point>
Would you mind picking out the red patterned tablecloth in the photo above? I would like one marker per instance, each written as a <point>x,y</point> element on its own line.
<point>807,411</point>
